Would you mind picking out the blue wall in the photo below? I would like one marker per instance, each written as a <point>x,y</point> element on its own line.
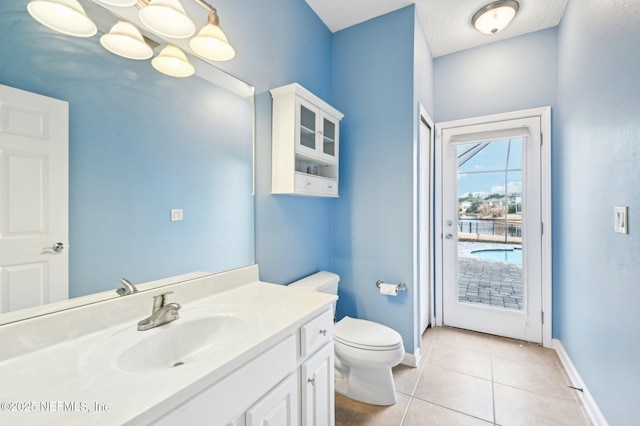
<point>596,292</point>
<point>141,143</point>
<point>373,85</point>
<point>289,44</point>
<point>509,75</point>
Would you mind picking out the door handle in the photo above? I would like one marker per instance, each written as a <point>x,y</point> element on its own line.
<point>57,248</point>
<point>448,236</point>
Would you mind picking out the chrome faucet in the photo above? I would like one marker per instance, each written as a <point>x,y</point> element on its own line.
<point>162,313</point>
<point>127,289</point>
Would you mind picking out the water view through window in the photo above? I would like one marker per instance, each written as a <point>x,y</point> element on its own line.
<point>490,200</point>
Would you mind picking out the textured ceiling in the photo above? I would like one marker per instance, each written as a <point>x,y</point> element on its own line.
<point>446,23</point>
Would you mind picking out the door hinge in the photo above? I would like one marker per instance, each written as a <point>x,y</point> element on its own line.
<point>541,228</point>
<point>542,319</point>
<point>541,138</point>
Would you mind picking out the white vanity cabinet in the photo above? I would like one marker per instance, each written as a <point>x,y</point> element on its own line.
<point>318,398</point>
<point>305,143</point>
<point>317,372</point>
<point>288,384</point>
<point>278,408</point>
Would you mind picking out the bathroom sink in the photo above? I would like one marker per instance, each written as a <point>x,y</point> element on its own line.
<point>198,334</point>
<point>178,343</point>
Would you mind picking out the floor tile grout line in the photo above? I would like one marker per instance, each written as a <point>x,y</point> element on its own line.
<point>493,387</point>
<point>420,370</point>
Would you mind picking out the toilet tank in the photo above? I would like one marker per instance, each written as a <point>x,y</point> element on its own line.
<point>323,282</point>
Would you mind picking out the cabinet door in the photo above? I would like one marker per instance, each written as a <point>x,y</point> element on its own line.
<point>329,137</point>
<point>306,127</point>
<point>318,399</point>
<point>278,408</point>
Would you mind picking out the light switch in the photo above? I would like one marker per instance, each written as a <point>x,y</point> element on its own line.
<point>620,217</point>
<point>176,214</point>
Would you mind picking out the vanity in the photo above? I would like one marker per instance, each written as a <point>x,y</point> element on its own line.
<point>243,352</point>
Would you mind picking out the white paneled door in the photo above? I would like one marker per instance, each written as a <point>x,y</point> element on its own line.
<point>34,210</point>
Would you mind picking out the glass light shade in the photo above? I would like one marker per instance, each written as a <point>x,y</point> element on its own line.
<point>495,17</point>
<point>119,3</point>
<point>167,18</point>
<point>125,40</point>
<point>211,43</point>
<point>172,61</point>
<point>65,16</point>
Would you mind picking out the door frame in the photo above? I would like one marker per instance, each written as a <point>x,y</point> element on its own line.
<point>544,113</point>
<point>424,220</point>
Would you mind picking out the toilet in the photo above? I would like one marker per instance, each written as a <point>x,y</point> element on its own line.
<point>365,351</point>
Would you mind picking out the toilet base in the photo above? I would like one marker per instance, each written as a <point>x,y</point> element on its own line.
<point>371,386</point>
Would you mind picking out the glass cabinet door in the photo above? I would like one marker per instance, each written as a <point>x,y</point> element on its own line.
<point>329,137</point>
<point>307,127</point>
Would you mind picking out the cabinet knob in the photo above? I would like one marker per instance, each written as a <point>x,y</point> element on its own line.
<point>323,331</point>
<point>312,381</point>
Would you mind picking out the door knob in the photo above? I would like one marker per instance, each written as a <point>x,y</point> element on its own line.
<point>57,247</point>
<point>448,236</point>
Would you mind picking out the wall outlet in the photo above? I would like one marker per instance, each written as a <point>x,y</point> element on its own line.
<point>176,214</point>
<point>620,218</point>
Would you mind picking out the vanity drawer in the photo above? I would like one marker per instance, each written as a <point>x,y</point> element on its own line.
<point>316,333</point>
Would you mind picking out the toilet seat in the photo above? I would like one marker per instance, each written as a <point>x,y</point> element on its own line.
<point>366,335</point>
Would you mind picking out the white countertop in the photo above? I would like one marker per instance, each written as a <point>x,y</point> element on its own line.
<point>76,382</point>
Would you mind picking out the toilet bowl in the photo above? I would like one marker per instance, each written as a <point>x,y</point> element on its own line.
<point>365,351</point>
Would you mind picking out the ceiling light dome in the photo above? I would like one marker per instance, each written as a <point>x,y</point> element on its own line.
<point>495,16</point>
<point>65,16</point>
<point>125,40</point>
<point>166,18</point>
<point>172,61</point>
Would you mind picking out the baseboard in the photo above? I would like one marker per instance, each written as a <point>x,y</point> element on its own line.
<point>412,360</point>
<point>590,406</point>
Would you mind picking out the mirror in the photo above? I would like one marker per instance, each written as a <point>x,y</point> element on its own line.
<point>140,144</point>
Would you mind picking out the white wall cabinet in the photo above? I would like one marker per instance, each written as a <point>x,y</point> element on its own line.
<point>305,143</point>
<point>289,384</point>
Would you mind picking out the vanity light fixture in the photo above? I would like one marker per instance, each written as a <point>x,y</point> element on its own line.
<point>173,62</point>
<point>125,40</point>
<point>495,16</point>
<point>211,43</point>
<point>65,16</point>
<point>166,18</point>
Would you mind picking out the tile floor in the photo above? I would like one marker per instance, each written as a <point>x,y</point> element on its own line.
<point>467,378</point>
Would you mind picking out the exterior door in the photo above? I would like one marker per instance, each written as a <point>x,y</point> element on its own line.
<point>34,231</point>
<point>492,224</point>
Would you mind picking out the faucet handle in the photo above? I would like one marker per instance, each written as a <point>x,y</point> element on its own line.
<point>160,299</point>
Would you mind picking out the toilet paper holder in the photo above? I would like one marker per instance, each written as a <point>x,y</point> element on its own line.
<point>401,286</point>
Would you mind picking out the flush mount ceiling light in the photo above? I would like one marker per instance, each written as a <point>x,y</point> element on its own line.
<point>125,40</point>
<point>172,61</point>
<point>211,43</point>
<point>495,16</point>
<point>65,16</point>
<point>166,18</point>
